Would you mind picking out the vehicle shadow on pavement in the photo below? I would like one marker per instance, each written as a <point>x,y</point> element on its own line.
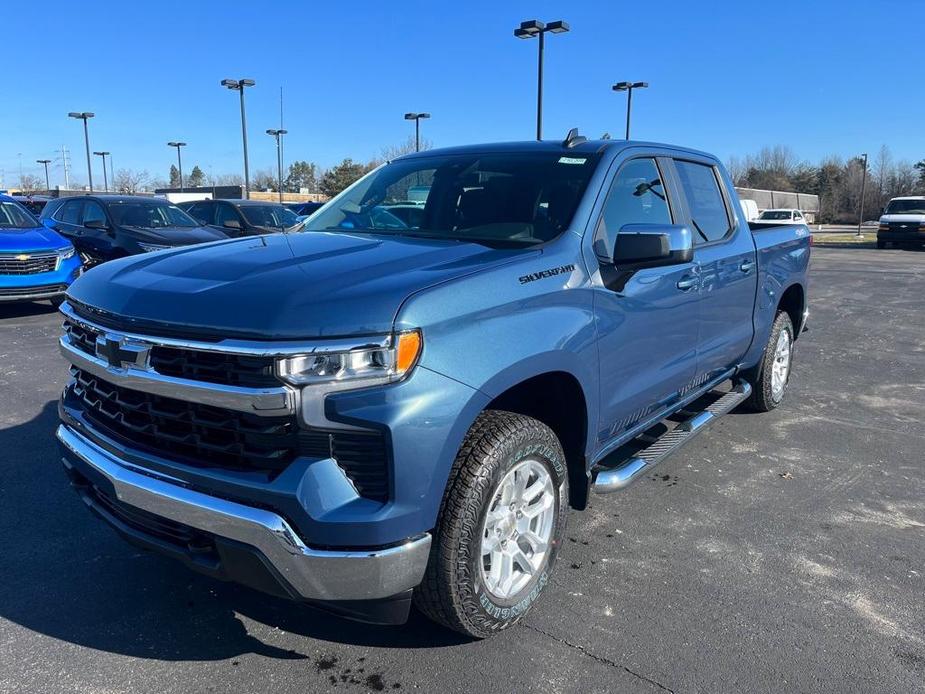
<point>25,309</point>
<point>64,574</point>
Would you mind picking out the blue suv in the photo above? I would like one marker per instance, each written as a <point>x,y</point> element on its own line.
<point>35,262</point>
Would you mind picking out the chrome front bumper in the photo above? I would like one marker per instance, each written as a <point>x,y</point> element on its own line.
<point>313,574</point>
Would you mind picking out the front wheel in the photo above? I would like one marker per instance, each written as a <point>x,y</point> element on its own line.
<point>770,380</point>
<point>500,526</point>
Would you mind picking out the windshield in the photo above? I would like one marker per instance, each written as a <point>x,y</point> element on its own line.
<point>273,216</point>
<point>906,207</point>
<point>495,199</point>
<point>14,216</point>
<point>776,214</point>
<point>150,215</point>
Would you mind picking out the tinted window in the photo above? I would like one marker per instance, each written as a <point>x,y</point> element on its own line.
<point>225,212</point>
<point>269,216</point>
<point>509,198</point>
<point>637,196</point>
<point>708,209</point>
<point>149,215</point>
<point>93,212</point>
<point>13,216</point>
<point>201,212</point>
<point>70,212</point>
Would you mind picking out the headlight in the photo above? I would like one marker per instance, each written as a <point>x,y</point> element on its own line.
<point>148,247</point>
<point>364,365</point>
<point>65,253</point>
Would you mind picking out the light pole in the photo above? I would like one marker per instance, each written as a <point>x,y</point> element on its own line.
<point>178,145</point>
<point>527,30</point>
<point>416,117</point>
<point>863,193</point>
<point>628,87</point>
<point>46,162</point>
<point>278,133</point>
<point>105,178</point>
<point>239,85</point>
<point>85,116</point>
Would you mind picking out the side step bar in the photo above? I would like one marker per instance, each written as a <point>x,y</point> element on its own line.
<point>611,479</point>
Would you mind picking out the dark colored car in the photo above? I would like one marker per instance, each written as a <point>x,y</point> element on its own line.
<point>242,217</point>
<point>34,203</point>
<point>104,227</point>
<point>303,209</point>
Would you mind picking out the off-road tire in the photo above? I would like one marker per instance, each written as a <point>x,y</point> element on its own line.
<point>762,398</point>
<point>451,593</point>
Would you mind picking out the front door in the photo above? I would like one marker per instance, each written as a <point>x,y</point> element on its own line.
<point>647,329</point>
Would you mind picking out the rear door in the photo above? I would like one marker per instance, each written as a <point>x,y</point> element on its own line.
<point>67,221</point>
<point>203,212</point>
<point>647,329</point>
<point>725,252</point>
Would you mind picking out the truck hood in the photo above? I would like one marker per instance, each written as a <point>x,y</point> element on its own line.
<point>174,236</point>
<point>912,219</point>
<point>31,239</point>
<point>279,286</point>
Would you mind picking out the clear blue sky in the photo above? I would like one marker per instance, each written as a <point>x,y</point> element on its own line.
<point>822,76</point>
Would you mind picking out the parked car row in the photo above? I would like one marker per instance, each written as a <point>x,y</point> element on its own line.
<point>46,242</point>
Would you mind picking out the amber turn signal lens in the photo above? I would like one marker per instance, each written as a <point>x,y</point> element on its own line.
<point>409,349</point>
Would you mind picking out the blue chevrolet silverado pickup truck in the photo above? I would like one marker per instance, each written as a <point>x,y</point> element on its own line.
<point>371,414</point>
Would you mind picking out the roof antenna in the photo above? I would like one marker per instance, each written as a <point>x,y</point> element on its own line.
<point>605,136</point>
<point>573,138</point>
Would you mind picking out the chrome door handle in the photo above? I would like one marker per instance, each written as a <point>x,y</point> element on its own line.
<point>747,266</point>
<point>687,283</point>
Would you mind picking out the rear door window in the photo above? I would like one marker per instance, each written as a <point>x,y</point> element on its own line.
<point>708,210</point>
<point>93,212</point>
<point>70,212</point>
<point>201,212</point>
<point>225,212</point>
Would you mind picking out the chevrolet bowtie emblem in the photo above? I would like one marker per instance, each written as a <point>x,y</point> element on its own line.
<point>23,256</point>
<point>120,352</point>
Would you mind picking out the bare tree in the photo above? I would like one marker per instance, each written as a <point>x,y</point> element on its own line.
<point>738,171</point>
<point>406,147</point>
<point>130,181</point>
<point>30,184</point>
<point>882,170</point>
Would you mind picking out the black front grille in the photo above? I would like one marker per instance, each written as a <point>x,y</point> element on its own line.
<point>27,263</point>
<point>362,455</point>
<point>82,338</point>
<point>183,536</point>
<point>215,367</point>
<point>25,292</point>
<point>197,365</point>
<point>195,434</point>
<point>905,227</point>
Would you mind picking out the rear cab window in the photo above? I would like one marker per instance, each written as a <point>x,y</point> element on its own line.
<point>709,213</point>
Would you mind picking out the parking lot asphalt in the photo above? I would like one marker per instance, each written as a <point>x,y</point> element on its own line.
<point>778,552</point>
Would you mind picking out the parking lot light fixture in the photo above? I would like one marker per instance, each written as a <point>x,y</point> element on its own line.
<point>535,28</point>
<point>85,116</point>
<point>105,179</point>
<point>239,86</point>
<point>416,117</point>
<point>628,87</point>
<point>46,162</point>
<point>278,133</point>
<point>178,145</point>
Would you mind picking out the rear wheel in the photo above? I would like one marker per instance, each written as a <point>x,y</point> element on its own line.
<point>500,526</point>
<point>769,382</point>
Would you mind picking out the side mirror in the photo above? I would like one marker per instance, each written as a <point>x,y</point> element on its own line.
<point>231,224</point>
<point>640,246</point>
<point>882,211</point>
<point>97,224</point>
<point>48,223</point>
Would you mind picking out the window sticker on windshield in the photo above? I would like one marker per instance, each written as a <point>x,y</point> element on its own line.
<point>572,160</point>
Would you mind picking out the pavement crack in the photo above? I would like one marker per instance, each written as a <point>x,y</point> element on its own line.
<point>598,658</point>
